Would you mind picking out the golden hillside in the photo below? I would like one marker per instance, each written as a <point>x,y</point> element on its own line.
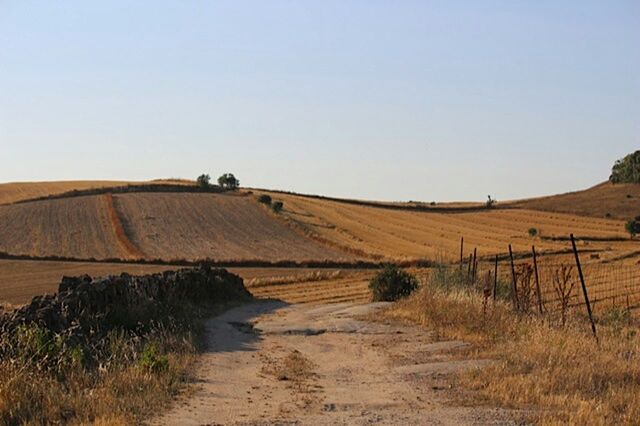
<point>619,201</point>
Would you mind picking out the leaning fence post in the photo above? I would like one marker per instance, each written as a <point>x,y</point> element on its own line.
<point>535,268</point>
<point>469,268</point>
<point>461,250</point>
<point>516,303</point>
<point>475,267</point>
<point>495,279</point>
<point>584,287</point>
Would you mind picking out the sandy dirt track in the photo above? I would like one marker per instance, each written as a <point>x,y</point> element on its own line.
<point>331,368</point>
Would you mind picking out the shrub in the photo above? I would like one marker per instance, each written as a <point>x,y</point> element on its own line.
<point>627,169</point>
<point>392,283</point>
<point>203,181</point>
<point>277,206</point>
<point>532,232</point>
<point>633,226</point>
<point>265,199</point>
<point>490,202</point>
<point>152,360</point>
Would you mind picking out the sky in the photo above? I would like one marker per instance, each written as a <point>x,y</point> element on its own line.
<point>390,100</point>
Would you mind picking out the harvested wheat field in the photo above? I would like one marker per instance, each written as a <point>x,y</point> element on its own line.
<point>321,286</point>
<point>77,227</point>
<point>619,201</point>
<point>21,191</point>
<point>217,226</point>
<point>405,234</point>
<point>155,226</point>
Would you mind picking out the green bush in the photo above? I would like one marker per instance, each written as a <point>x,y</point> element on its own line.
<point>532,232</point>
<point>152,360</point>
<point>265,199</point>
<point>633,226</point>
<point>277,206</point>
<point>627,169</point>
<point>392,283</point>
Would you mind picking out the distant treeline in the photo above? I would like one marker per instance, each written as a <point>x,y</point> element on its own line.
<point>159,187</point>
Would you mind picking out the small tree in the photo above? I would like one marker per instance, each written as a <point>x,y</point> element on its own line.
<point>228,181</point>
<point>490,202</point>
<point>633,227</point>
<point>203,181</point>
<point>277,206</point>
<point>392,283</point>
<point>265,199</point>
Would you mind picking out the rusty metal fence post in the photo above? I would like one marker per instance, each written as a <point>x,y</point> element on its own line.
<point>584,287</point>
<point>516,303</point>
<point>535,268</point>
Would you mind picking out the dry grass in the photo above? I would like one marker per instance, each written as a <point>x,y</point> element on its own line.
<point>560,373</point>
<point>402,235</point>
<point>124,391</point>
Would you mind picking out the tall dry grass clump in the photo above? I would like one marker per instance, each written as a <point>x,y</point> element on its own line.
<point>559,374</point>
<point>131,375</point>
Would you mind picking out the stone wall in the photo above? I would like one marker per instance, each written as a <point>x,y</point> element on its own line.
<point>97,305</point>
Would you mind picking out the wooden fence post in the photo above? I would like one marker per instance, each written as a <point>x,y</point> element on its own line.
<point>535,268</point>
<point>584,287</point>
<point>495,279</point>
<point>461,250</point>
<point>469,268</point>
<point>516,303</point>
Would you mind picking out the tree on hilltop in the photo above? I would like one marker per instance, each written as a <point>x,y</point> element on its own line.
<point>203,181</point>
<point>228,181</point>
<point>627,169</point>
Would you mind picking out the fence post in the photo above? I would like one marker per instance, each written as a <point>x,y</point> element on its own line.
<point>461,250</point>
<point>495,279</point>
<point>469,268</point>
<point>535,268</point>
<point>475,267</point>
<point>516,303</point>
<point>584,287</point>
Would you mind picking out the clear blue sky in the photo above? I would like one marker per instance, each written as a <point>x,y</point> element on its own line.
<point>423,100</point>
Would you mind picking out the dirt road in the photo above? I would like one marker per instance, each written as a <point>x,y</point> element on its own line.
<point>269,363</point>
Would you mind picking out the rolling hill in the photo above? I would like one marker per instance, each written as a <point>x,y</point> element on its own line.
<point>235,227</point>
<point>619,201</point>
<point>399,234</point>
<point>189,226</point>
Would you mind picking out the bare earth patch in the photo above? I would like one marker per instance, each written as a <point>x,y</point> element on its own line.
<point>272,363</point>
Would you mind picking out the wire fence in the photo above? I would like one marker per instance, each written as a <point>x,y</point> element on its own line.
<point>609,285</point>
